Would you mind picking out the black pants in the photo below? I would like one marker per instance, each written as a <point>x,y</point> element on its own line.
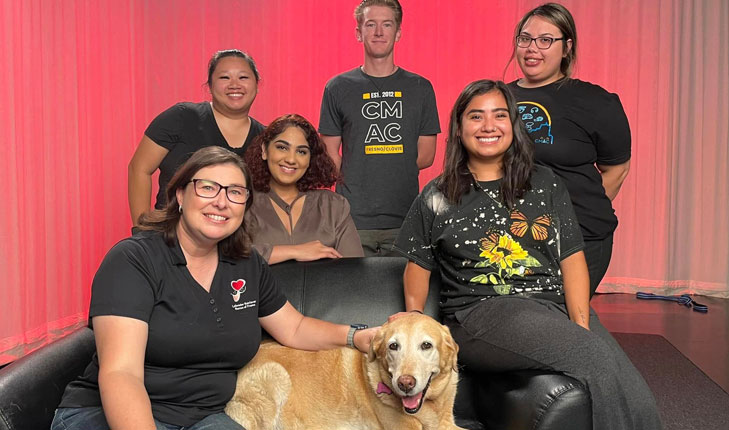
<point>597,254</point>
<point>514,333</point>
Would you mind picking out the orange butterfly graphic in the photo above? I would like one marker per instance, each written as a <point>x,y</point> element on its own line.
<point>491,240</point>
<point>538,226</point>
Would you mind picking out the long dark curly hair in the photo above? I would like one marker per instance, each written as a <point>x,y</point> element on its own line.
<point>518,162</point>
<point>321,172</point>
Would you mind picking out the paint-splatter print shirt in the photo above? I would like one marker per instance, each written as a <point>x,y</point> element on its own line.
<point>483,249</point>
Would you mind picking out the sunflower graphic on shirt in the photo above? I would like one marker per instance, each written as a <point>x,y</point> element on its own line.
<point>504,258</point>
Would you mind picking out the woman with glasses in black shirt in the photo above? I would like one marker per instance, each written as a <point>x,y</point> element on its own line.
<point>579,129</point>
<point>178,308</point>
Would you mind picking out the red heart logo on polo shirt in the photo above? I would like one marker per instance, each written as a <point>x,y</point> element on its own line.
<point>238,285</point>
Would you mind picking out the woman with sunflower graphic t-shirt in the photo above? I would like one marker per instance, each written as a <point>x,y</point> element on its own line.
<point>515,287</point>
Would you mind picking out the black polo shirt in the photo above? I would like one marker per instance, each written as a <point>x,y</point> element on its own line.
<point>197,339</point>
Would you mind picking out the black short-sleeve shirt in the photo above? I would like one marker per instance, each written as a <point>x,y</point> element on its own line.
<point>197,340</point>
<point>575,125</point>
<point>183,129</point>
<point>483,249</point>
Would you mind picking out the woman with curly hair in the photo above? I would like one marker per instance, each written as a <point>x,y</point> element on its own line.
<point>293,218</point>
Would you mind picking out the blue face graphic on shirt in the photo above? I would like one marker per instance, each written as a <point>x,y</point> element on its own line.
<point>537,121</point>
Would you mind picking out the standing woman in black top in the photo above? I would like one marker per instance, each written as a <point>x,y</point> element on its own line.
<point>186,127</point>
<point>579,129</point>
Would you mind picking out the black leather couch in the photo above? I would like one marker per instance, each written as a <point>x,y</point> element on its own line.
<point>357,290</point>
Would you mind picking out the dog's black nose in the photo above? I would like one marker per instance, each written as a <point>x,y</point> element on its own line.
<point>406,383</point>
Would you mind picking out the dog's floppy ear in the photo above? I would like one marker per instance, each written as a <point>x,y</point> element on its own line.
<point>376,345</point>
<point>449,358</point>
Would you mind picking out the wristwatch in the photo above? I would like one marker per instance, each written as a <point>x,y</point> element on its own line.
<point>352,330</point>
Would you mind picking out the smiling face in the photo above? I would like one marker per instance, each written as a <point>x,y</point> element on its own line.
<point>378,32</point>
<point>207,221</point>
<point>288,156</point>
<point>233,85</point>
<point>541,66</point>
<point>485,129</point>
<point>416,357</point>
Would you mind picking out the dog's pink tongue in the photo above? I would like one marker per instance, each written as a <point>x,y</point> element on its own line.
<point>412,402</point>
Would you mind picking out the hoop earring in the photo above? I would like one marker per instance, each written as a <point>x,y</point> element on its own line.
<point>179,209</point>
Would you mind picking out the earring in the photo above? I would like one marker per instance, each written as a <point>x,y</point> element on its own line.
<point>179,209</point>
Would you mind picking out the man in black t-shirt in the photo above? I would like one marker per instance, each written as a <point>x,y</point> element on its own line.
<point>385,120</point>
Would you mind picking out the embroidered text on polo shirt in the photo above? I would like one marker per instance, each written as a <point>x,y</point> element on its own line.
<point>239,287</point>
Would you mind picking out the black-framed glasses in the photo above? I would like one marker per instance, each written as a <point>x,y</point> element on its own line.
<point>542,42</point>
<point>208,189</point>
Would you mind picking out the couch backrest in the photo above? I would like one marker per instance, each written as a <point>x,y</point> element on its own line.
<point>349,290</point>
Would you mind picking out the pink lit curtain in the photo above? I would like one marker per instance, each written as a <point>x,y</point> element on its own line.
<point>80,80</point>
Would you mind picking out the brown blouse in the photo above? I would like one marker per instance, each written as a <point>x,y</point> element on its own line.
<point>324,217</point>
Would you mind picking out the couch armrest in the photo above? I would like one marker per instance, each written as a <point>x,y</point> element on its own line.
<point>527,399</point>
<point>31,387</point>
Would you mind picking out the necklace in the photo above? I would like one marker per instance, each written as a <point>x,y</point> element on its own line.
<point>493,195</point>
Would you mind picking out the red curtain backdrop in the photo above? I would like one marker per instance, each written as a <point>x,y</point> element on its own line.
<point>80,81</point>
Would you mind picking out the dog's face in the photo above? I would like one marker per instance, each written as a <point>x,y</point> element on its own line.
<point>415,354</point>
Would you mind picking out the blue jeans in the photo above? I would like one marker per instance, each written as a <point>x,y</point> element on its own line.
<point>92,418</point>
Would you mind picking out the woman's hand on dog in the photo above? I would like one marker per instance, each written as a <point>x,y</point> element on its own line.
<point>393,317</point>
<point>363,338</point>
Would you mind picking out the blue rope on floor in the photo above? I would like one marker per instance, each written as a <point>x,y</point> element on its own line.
<point>683,299</point>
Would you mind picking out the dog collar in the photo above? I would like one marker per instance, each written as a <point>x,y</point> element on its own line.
<point>383,389</point>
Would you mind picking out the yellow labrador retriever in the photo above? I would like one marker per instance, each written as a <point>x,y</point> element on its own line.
<point>406,381</point>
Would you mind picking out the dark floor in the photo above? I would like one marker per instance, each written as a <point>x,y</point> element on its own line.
<point>702,338</point>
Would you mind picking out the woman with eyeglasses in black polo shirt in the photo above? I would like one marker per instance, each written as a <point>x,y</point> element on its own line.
<point>178,308</point>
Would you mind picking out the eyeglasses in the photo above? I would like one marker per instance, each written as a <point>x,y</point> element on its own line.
<point>543,42</point>
<point>210,189</point>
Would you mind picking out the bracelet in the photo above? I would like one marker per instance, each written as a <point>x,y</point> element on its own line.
<point>418,311</point>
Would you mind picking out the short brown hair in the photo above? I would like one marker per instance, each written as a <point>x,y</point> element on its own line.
<point>165,220</point>
<point>392,4</point>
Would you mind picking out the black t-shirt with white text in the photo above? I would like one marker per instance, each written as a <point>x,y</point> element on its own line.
<point>380,120</point>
